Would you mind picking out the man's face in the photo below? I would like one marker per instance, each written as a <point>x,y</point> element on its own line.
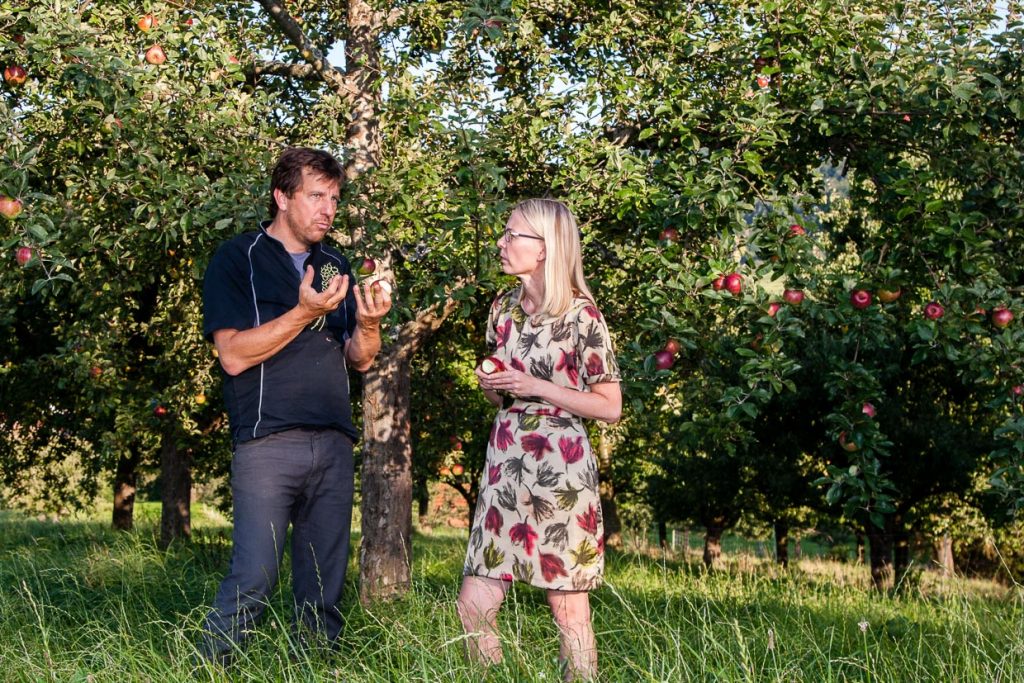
<point>309,212</point>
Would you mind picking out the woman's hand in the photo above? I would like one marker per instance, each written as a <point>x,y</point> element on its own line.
<point>512,382</point>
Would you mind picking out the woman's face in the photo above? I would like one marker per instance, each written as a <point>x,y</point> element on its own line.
<point>522,249</point>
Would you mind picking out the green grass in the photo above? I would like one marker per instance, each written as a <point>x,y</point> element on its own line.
<point>79,602</point>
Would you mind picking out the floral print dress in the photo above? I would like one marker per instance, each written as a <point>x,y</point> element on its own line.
<point>538,515</point>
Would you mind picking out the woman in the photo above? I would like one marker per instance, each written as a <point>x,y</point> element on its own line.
<point>538,515</point>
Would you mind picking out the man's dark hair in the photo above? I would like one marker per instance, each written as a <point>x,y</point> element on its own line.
<point>287,174</point>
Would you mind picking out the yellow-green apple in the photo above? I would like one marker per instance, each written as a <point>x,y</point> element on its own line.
<point>887,296</point>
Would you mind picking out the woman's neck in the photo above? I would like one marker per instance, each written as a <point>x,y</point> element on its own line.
<point>532,297</point>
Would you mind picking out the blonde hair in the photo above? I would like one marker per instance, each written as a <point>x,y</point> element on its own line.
<point>563,264</point>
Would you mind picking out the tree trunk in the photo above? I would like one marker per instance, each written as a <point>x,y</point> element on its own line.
<point>944,554</point>
<point>880,552</point>
<point>713,542</point>
<point>125,482</point>
<point>423,506</point>
<point>175,491</point>
<point>386,547</point>
<point>663,534</point>
<point>609,508</point>
<point>860,547</point>
<point>782,542</point>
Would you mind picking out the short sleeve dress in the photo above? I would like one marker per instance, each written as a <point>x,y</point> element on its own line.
<point>538,514</point>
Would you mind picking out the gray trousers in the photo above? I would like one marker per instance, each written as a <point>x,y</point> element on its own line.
<point>303,477</point>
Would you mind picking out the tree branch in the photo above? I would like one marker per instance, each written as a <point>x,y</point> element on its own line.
<point>334,78</point>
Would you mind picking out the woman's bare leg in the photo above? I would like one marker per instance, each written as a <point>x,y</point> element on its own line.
<point>478,604</point>
<point>578,650</point>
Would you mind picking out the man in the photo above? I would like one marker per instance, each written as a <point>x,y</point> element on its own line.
<point>287,320</point>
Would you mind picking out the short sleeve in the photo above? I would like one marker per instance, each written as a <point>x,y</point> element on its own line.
<point>227,298</point>
<point>594,347</point>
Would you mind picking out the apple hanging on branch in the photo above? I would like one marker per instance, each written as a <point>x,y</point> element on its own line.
<point>669,235</point>
<point>366,267</point>
<point>1001,316</point>
<point>155,55</point>
<point>887,296</point>
<point>15,74</point>
<point>23,255</point>
<point>146,22</point>
<point>663,360</point>
<point>797,230</point>
<point>10,207</point>
<point>734,283</point>
<point>934,310</point>
<point>793,296</point>
<point>860,299</point>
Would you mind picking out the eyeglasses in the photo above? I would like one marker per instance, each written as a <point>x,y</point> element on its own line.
<point>510,235</point>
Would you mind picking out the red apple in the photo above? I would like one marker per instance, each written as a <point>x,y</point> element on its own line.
<point>663,360</point>
<point>19,38</point>
<point>10,208</point>
<point>23,255</point>
<point>1018,390</point>
<point>444,471</point>
<point>718,283</point>
<point>793,296</point>
<point>868,409</point>
<point>673,346</point>
<point>160,410</point>
<point>95,371</point>
<point>860,298</point>
<point>457,470</point>
<point>773,308</point>
<point>500,70</point>
<point>491,364</point>
<point>155,55</point>
<point>848,446</point>
<point>492,23</point>
<point>887,296</point>
<point>367,267</point>
<point>734,283</point>
<point>906,118</point>
<point>233,59</point>
<point>15,74</point>
<point>933,311</point>
<point>669,235</point>
<point>763,81</point>
<point>1001,317</point>
<point>455,442</point>
<point>795,230</point>
<point>146,22</point>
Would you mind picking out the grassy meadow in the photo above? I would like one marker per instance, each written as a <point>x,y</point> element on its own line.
<point>79,602</point>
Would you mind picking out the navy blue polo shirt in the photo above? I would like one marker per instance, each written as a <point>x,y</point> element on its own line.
<point>252,280</point>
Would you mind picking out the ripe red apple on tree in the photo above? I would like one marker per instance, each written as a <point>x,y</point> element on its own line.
<point>793,296</point>
<point>734,283</point>
<point>796,230</point>
<point>887,296</point>
<point>155,55</point>
<point>444,471</point>
<point>860,298</point>
<point>1018,390</point>
<point>15,74</point>
<point>491,365</point>
<point>673,346</point>
<point>763,81</point>
<point>10,208</point>
<point>718,283</point>
<point>367,267</point>
<point>160,410</point>
<point>868,409</point>
<point>1001,316</point>
<point>19,38</point>
<point>848,446</point>
<point>500,70</point>
<point>663,360</point>
<point>934,310</point>
<point>457,470</point>
<point>669,235</point>
<point>773,308</point>
<point>95,371</point>
<point>23,255</point>
<point>456,442</point>
<point>146,22</point>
